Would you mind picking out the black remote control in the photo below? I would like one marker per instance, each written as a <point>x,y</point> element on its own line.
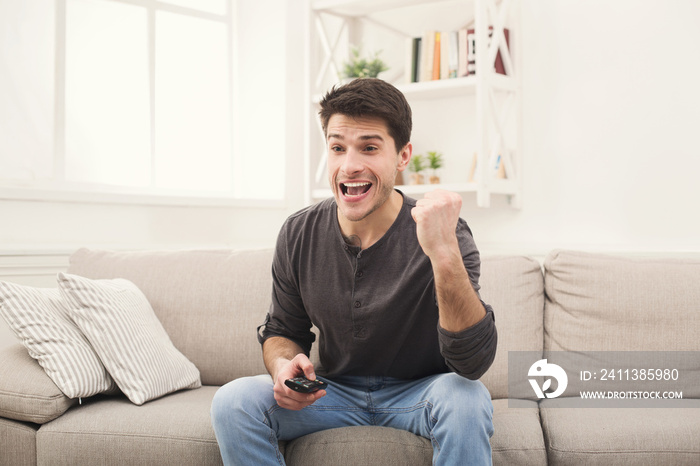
<point>304,385</point>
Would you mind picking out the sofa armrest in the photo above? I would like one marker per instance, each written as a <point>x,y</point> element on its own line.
<point>26,392</point>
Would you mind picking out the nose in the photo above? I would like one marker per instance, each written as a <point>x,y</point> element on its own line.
<point>352,162</point>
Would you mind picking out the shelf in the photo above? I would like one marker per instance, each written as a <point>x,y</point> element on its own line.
<point>439,88</point>
<point>442,88</point>
<point>454,87</point>
<point>432,89</point>
<point>355,8</point>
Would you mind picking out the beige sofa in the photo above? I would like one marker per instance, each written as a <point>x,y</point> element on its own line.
<point>210,303</point>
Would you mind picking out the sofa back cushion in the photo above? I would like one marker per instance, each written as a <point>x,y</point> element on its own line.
<point>209,302</point>
<point>513,286</point>
<point>600,302</point>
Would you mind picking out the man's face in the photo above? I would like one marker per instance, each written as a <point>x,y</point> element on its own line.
<point>362,164</point>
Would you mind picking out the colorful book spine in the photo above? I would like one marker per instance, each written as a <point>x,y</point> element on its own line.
<point>435,75</point>
<point>443,55</point>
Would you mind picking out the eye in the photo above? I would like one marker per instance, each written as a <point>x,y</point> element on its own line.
<point>371,149</point>
<point>336,148</point>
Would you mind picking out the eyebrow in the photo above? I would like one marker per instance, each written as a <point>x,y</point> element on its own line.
<point>362,138</point>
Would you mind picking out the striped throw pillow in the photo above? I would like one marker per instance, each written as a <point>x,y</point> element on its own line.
<point>118,321</point>
<point>39,317</point>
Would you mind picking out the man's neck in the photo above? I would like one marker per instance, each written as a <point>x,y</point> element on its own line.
<point>366,232</point>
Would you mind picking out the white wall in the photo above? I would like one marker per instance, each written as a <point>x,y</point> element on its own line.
<point>611,118</point>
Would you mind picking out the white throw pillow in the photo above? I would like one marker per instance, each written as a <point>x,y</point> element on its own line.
<point>39,317</point>
<point>119,322</point>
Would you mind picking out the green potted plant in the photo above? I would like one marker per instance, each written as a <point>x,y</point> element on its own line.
<point>360,67</point>
<point>417,165</point>
<point>434,162</point>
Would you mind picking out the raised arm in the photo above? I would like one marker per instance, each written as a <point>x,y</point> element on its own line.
<point>468,335</point>
<point>436,217</point>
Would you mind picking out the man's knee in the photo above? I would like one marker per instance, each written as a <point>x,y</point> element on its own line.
<point>470,397</point>
<point>242,396</point>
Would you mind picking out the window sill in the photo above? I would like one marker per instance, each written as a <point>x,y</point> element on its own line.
<point>133,197</point>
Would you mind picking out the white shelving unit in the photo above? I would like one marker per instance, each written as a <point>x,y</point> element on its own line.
<point>487,123</point>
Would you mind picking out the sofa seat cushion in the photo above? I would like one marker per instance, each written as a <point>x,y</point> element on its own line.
<point>517,436</point>
<point>26,391</point>
<point>517,439</point>
<point>612,436</point>
<point>175,429</point>
<point>17,443</point>
<point>359,445</point>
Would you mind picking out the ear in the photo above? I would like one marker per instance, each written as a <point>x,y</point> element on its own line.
<point>404,157</point>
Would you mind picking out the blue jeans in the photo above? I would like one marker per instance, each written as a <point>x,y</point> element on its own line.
<point>453,412</point>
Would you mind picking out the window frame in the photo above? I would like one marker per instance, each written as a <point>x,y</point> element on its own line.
<point>59,189</point>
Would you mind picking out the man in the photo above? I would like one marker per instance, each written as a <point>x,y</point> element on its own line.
<point>391,284</point>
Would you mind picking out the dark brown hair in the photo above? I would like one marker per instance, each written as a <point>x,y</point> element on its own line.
<point>370,98</point>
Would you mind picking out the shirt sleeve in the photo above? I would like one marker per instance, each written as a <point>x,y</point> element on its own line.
<point>470,352</point>
<point>287,316</point>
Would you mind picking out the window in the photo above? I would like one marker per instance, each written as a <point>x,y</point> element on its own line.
<point>119,96</point>
<point>107,111</point>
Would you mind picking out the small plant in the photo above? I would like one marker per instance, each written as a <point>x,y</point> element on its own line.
<point>358,67</point>
<point>434,162</point>
<point>417,165</point>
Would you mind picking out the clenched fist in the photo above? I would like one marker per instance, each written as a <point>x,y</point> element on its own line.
<point>436,217</point>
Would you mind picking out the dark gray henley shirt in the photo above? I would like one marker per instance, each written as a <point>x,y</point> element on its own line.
<point>375,309</point>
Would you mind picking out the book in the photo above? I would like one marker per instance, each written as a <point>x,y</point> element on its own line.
<point>435,70</point>
<point>427,56</point>
<point>471,51</point>
<point>418,57</point>
<point>444,55</point>
<point>453,53</point>
<point>412,61</point>
<point>499,168</point>
<point>500,68</point>
<point>462,69</point>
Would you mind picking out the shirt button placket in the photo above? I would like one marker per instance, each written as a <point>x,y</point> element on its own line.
<point>358,293</point>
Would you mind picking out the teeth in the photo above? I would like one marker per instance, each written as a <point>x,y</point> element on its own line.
<point>355,185</point>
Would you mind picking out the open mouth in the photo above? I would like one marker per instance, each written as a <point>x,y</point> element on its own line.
<point>355,189</point>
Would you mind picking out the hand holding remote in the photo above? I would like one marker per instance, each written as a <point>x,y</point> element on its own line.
<point>304,385</point>
<point>297,398</point>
